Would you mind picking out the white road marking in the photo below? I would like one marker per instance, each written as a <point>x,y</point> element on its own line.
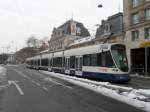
<point>38,84</point>
<point>58,83</point>
<point>46,89</point>
<point>17,86</point>
<point>33,81</point>
<point>4,86</point>
<point>49,79</point>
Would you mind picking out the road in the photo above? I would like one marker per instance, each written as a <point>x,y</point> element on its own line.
<point>32,91</point>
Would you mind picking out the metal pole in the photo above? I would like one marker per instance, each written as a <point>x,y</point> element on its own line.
<point>145,60</point>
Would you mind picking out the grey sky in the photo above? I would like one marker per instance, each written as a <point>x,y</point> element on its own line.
<point>21,18</point>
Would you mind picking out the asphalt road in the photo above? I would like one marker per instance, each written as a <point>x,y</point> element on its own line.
<point>31,91</point>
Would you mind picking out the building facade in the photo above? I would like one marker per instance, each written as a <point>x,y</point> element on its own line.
<point>110,30</point>
<point>66,34</point>
<point>137,28</point>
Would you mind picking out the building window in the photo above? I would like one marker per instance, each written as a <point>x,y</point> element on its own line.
<point>136,3</point>
<point>78,30</point>
<point>147,14</point>
<point>61,44</point>
<point>135,18</point>
<point>135,35</point>
<point>147,33</point>
<point>107,28</point>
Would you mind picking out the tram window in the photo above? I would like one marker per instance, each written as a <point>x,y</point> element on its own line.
<point>31,62</point>
<point>42,62</point>
<point>107,60</point>
<point>76,62</point>
<point>54,62</point>
<point>93,59</point>
<point>80,67</point>
<point>38,62</point>
<point>99,59</point>
<point>72,62</point>
<point>46,62</point>
<point>66,63</point>
<point>57,62</point>
<point>63,62</point>
<point>51,62</point>
<point>87,60</point>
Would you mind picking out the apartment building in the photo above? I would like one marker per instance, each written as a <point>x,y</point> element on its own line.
<point>66,34</point>
<point>137,36</point>
<point>110,30</point>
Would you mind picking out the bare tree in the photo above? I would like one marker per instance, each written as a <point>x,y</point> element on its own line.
<point>32,41</point>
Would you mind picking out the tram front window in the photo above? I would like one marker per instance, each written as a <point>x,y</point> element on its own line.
<point>119,56</point>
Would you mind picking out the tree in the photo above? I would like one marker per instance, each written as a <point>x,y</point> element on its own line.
<point>24,53</point>
<point>33,42</point>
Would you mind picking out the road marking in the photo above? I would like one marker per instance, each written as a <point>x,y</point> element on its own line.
<point>37,84</point>
<point>49,79</point>
<point>56,82</point>
<point>4,86</point>
<point>46,89</point>
<point>22,74</point>
<point>17,86</point>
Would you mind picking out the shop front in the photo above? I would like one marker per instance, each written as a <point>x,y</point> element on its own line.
<point>140,59</point>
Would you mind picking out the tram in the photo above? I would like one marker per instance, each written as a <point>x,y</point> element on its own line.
<point>107,62</point>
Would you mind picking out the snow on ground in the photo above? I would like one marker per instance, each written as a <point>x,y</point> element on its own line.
<point>2,71</point>
<point>139,98</point>
<point>3,78</point>
<point>12,65</point>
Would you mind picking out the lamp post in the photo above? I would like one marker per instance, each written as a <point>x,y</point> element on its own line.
<point>100,6</point>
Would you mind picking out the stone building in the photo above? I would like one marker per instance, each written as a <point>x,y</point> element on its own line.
<point>110,30</point>
<point>66,34</point>
<point>137,28</point>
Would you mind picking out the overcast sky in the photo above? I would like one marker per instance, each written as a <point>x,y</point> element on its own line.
<point>19,19</point>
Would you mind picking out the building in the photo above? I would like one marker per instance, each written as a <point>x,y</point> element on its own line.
<point>66,34</point>
<point>110,30</point>
<point>11,58</point>
<point>137,28</point>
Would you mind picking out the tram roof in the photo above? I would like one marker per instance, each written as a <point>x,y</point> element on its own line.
<point>88,50</point>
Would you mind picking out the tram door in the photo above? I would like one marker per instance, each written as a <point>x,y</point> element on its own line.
<point>67,65</point>
<point>79,66</point>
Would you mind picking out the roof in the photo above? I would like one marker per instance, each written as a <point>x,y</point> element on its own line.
<point>45,51</point>
<point>82,40</point>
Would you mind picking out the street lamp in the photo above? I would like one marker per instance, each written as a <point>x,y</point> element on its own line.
<point>100,6</point>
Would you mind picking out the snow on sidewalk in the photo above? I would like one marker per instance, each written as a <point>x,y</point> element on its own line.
<point>2,71</point>
<point>3,77</point>
<point>129,95</point>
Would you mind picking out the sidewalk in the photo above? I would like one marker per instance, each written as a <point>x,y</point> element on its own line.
<point>139,81</point>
